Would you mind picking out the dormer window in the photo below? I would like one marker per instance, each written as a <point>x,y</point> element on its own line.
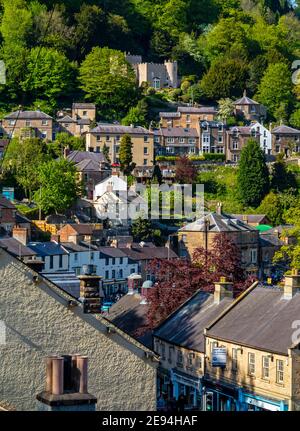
<point>235,133</point>
<point>205,127</point>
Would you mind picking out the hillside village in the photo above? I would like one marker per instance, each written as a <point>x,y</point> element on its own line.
<point>113,297</point>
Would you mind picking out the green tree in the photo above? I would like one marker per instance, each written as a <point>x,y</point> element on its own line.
<point>275,88</point>
<point>295,118</point>
<point>157,175</point>
<point>58,186</point>
<point>125,155</point>
<point>22,158</point>
<point>89,28</point>
<point>282,178</point>
<point>137,115</point>
<point>253,175</point>
<point>226,109</point>
<point>226,78</point>
<point>271,206</point>
<point>109,81</point>
<point>105,151</point>
<point>50,74</point>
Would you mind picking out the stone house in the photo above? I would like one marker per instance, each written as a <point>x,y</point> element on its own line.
<point>176,141</point>
<point>202,232</point>
<point>29,124</point>
<point>188,116</point>
<point>285,140</point>
<point>157,75</point>
<point>77,122</point>
<point>111,134</point>
<point>249,109</point>
<point>237,138</point>
<point>91,167</point>
<point>40,319</point>
<point>212,137</point>
<point>180,342</point>
<point>260,341</point>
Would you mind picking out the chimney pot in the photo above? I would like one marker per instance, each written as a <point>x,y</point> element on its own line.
<point>82,365</point>
<point>57,376</point>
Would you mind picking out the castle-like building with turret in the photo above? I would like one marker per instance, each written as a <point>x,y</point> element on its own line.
<point>156,75</point>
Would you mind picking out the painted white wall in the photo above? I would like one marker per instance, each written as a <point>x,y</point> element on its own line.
<point>265,137</point>
<point>56,263</point>
<point>118,184</point>
<point>103,266</point>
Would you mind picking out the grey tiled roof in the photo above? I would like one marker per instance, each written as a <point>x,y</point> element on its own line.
<point>185,327</point>
<point>262,319</point>
<point>79,156</point>
<point>66,119</point>
<point>117,128</point>
<point>199,110</point>
<point>217,223</point>
<point>245,101</point>
<point>285,130</point>
<point>16,248</point>
<point>28,115</point>
<point>169,114</point>
<point>46,248</point>
<point>83,105</point>
<point>176,132</point>
<point>137,252</point>
<point>88,165</point>
<point>251,218</point>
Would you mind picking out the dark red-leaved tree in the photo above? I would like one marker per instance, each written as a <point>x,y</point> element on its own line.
<point>178,279</point>
<point>185,171</point>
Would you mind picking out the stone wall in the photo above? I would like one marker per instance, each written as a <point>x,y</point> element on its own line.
<point>39,322</point>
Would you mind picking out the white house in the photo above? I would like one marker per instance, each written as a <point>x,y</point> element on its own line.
<point>55,258</point>
<point>265,137</point>
<point>113,183</point>
<point>112,264</point>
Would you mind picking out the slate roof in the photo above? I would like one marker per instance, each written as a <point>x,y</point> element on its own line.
<point>79,156</point>
<point>46,248</point>
<point>130,315</point>
<point>83,105</point>
<point>111,252</point>
<point>72,247</point>
<point>117,128</point>
<point>66,119</point>
<point>217,223</point>
<point>169,114</point>
<point>176,132</point>
<point>185,327</point>
<point>245,101</point>
<point>251,218</point>
<point>285,130</point>
<point>261,319</point>
<point>136,252</point>
<point>244,130</point>
<point>199,110</point>
<point>16,248</point>
<point>28,115</point>
<point>88,165</point>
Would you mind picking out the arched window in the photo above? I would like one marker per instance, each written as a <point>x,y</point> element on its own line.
<point>156,83</point>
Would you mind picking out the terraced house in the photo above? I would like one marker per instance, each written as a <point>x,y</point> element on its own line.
<point>111,134</point>
<point>260,337</point>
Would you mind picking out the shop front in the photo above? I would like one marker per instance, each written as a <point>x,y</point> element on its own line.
<point>219,397</point>
<point>254,402</point>
<point>189,386</point>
